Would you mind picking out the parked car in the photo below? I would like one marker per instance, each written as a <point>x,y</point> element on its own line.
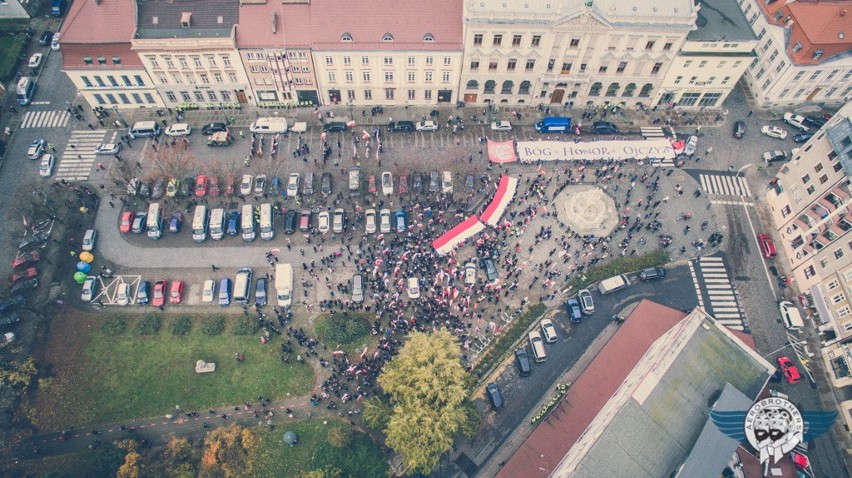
<point>233,223</point>
<point>45,167</point>
<point>213,189</point>
<point>434,181</point>
<point>260,292</point>
<point>35,60</point>
<point>230,184</point>
<point>767,247</point>
<point>494,396</point>
<point>417,183</point>
<point>122,295</point>
<point>323,222</point>
<point>293,185</point>
<point>90,286</point>
<point>54,42</point>
<point>260,184</point>
<point>548,331</point>
<point>179,129</point>
<point>773,156</point>
<point>399,221</point>
<point>159,296</point>
<point>385,221</point>
<point>447,182</point>
<point>401,126</point>
<point>89,240</point>
<point>12,303</point>
<point>338,223</point>
<point>201,186</point>
<point>225,292</point>
<point>25,259</point>
<point>413,288</point>
<point>803,137</point>
<point>325,188</point>
<point>36,149</point>
<point>791,373</point>
<point>796,120</point>
<point>469,183</point>
<point>426,125</point>
<point>334,127</point>
<point>290,219</point>
<point>490,269</point>
<point>24,286</point>
<point>107,148</point>
<point>371,184</point>
<point>815,122</point>
<point>308,184</point>
<point>470,273</point>
<point>774,132</point>
<point>172,187</point>
<point>211,128</point>
<point>142,292</point>
<point>586,301</point>
<point>523,361</point>
<point>691,145</point>
<point>739,129</point>
<point>370,221</point>
<point>208,290</point>
<point>46,38</point>
<point>387,183</point>
<point>176,292</point>
<point>158,190</point>
<point>245,185</point>
<point>139,222</point>
<point>403,183</point>
<point>501,126</point>
<point>652,273</point>
<point>573,309</point>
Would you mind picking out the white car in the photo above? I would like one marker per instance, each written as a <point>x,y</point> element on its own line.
<point>370,220</point>
<point>501,126</point>
<point>691,145</point>
<point>89,289</point>
<point>427,125</point>
<point>790,315</point>
<point>54,44</point>
<point>35,149</point>
<point>35,60</point>
<point>122,296</point>
<point>259,183</point>
<point>549,331</point>
<point>179,129</point>
<point>413,288</point>
<point>774,132</point>
<point>470,273</point>
<point>107,148</point>
<point>385,221</point>
<point>447,182</point>
<point>586,301</point>
<point>245,185</point>
<point>45,169</point>
<point>293,185</point>
<point>208,292</point>
<point>89,240</point>
<point>387,183</point>
<point>337,223</point>
<point>323,222</point>
<point>795,120</point>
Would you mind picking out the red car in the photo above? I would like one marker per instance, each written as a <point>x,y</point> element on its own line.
<point>214,186</point>
<point>403,183</point>
<point>201,185</point>
<point>28,273</point>
<point>791,373</point>
<point>127,218</point>
<point>372,184</point>
<point>25,260</point>
<point>159,297</point>
<point>767,247</point>
<point>176,293</point>
<point>229,185</point>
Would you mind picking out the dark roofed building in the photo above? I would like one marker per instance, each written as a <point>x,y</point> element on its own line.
<point>186,18</point>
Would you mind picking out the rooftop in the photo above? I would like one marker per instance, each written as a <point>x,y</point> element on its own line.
<point>186,18</point>
<point>12,10</point>
<point>720,20</point>
<point>274,24</point>
<point>824,23</point>
<point>107,21</point>
<point>559,10</point>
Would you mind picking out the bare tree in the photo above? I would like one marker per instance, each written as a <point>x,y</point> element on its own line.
<point>171,161</point>
<point>122,172</point>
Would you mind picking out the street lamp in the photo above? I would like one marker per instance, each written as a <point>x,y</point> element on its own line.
<point>788,344</point>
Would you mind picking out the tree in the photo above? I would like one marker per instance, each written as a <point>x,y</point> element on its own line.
<point>427,387</point>
<point>130,467</point>
<point>226,453</point>
<point>122,172</point>
<point>339,436</point>
<point>327,472</point>
<point>178,458</point>
<point>170,161</point>
<point>377,412</point>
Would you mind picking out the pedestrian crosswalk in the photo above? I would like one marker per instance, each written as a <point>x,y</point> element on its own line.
<point>76,162</point>
<point>716,293</point>
<point>652,132</point>
<point>724,184</point>
<point>45,119</point>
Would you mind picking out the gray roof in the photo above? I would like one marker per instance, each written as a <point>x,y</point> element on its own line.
<point>840,136</point>
<point>721,20</point>
<point>13,10</point>
<point>210,18</point>
<point>651,439</point>
<point>713,450</point>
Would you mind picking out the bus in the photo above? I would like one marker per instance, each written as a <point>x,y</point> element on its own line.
<point>267,231</point>
<point>154,222</point>
<point>199,224</point>
<point>247,226</point>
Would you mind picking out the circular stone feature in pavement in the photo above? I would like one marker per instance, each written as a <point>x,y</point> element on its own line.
<point>587,210</point>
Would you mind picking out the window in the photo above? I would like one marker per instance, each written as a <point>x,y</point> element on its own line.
<point>100,81</point>
<point>688,99</point>
<point>510,66</point>
<point>837,255</point>
<point>474,65</point>
<point>226,95</point>
<point>163,78</point>
<point>182,62</point>
<point>368,95</point>
<point>332,77</point>
<point>760,73</point>
<point>811,189</point>
<point>656,69</point>
<point>232,77</point>
<point>116,60</point>
<point>347,61</point>
<point>797,46</point>
<point>492,65</point>
<point>154,63</point>
<point>498,39</point>
<point>649,45</point>
<point>536,41</point>
<point>575,43</point>
<point>761,34</point>
<point>329,61</point>
<point>111,98</point>
<point>190,78</point>
<point>86,81</point>
<point>785,211</point>
<point>100,99</point>
<point>428,38</point>
<point>710,99</point>
<point>411,94</point>
<point>169,63</point>
<point>507,87</point>
<point>477,39</point>
<point>428,77</point>
<point>205,79</point>
<point>365,76</point>
<point>347,75</point>
<point>445,77</point>
<point>211,60</point>
<point>126,80</point>
<point>427,95</point>
<point>815,75</point>
<point>388,61</point>
<point>817,54</point>
<point>489,86</point>
<point>780,67</point>
<point>448,61</point>
<point>226,60</point>
<point>387,37</point>
<point>810,272</point>
<point>667,46</point>
<point>778,15</point>
<point>87,60</point>
<point>702,64</point>
<point>124,99</point>
<point>112,80</point>
<point>832,74</point>
<point>765,84</point>
<point>429,61</point>
<point>199,96</point>
<point>472,85</point>
<point>582,67</point>
<point>550,63</point>
<point>217,77</point>
<point>621,67</point>
<point>530,65</point>
<point>101,60</point>
<point>806,178</point>
<point>346,37</point>
<point>678,80</point>
<point>566,67</point>
<point>823,179</point>
<point>388,77</point>
<point>524,88</point>
<point>602,69</point>
<point>365,61</point>
<point>137,98</point>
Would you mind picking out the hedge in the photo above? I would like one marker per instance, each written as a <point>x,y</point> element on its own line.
<point>181,325</point>
<point>213,325</point>
<point>149,324</point>
<point>497,349</point>
<point>621,265</point>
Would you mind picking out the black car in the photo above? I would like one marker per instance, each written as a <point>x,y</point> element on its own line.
<point>334,127</point>
<point>2,149</point>
<point>211,128</point>
<point>815,122</point>
<point>260,292</point>
<point>803,137</point>
<point>401,126</point>
<point>490,269</point>
<point>290,219</point>
<point>604,127</point>
<point>416,183</point>
<point>325,188</point>
<point>143,292</point>
<point>233,223</point>
<point>469,182</point>
<point>523,361</point>
<point>12,303</point>
<point>46,38</point>
<point>739,129</point>
<point>10,319</point>
<point>24,286</point>
<point>494,395</point>
<point>434,181</point>
<point>652,273</point>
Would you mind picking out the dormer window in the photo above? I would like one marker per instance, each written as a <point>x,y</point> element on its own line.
<point>817,54</point>
<point>387,37</point>
<point>797,47</point>
<point>346,37</point>
<point>87,60</point>
<point>185,19</point>
<point>101,60</point>
<point>428,38</point>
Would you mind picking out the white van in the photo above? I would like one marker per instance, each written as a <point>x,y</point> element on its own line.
<point>144,129</point>
<point>25,90</point>
<point>242,286</point>
<point>199,224</point>
<point>354,182</point>
<point>791,316</point>
<point>284,284</point>
<point>247,226</point>
<point>217,224</point>
<point>357,288</point>
<point>154,221</point>
<point>537,346</point>
<point>267,231</point>
<point>613,284</point>
<point>269,125</point>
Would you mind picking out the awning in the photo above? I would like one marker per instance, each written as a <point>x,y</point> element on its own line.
<point>819,303</point>
<point>504,195</point>
<point>457,235</point>
<point>501,151</point>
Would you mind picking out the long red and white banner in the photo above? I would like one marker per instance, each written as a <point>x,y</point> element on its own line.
<point>500,201</point>
<point>457,235</point>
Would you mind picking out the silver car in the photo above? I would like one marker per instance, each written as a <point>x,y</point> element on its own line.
<point>470,273</point>
<point>586,301</point>
<point>89,288</point>
<point>338,221</point>
<point>370,220</point>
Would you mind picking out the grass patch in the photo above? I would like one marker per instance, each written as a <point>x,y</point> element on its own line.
<point>111,378</point>
<point>272,457</point>
<point>511,334</point>
<point>180,325</point>
<point>350,334</point>
<point>11,46</point>
<point>618,266</point>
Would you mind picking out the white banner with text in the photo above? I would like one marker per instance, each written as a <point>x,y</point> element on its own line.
<point>533,151</point>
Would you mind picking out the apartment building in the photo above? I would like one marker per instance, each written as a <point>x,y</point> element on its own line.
<point>804,56</point>
<point>189,49</point>
<point>384,52</point>
<point>810,206</point>
<point>712,59</point>
<point>570,52</point>
<point>97,55</point>
<point>274,46</point>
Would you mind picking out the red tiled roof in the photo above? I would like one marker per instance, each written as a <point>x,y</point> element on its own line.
<point>368,21</point>
<point>293,26</point>
<point>73,54</point>
<point>113,21</point>
<point>547,445</point>
<point>823,22</point>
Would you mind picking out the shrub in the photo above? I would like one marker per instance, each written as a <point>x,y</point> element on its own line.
<point>244,325</point>
<point>181,325</point>
<point>500,347</point>
<point>618,266</point>
<point>114,326</point>
<point>339,436</point>
<point>213,325</point>
<point>149,324</point>
<point>342,329</point>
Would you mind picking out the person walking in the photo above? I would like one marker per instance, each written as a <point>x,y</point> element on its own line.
<point>214,267</point>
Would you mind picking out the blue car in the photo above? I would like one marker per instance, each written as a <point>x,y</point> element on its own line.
<point>225,292</point>
<point>573,309</point>
<point>233,223</point>
<point>174,222</point>
<point>142,292</point>
<point>399,217</point>
<point>276,186</point>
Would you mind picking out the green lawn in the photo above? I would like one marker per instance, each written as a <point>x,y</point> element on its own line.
<point>361,459</point>
<point>126,376</point>
<point>10,49</point>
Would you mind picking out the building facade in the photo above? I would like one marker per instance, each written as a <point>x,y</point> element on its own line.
<point>810,205</point>
<point>386,59</point>
<point>570,53</point>
<point>97,56</point>
<point>804,56</point>
<point>189,50</point>
<point>712,59</point>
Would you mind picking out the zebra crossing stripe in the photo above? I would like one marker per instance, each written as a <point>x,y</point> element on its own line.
<point>45,119</point>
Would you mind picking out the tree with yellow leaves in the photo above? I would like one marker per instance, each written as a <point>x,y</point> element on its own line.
<point>226,453</point>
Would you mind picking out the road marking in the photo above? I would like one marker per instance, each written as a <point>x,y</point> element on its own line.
<point>76,163</point>
<point>723,303</point>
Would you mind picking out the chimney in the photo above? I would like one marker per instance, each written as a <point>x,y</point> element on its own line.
<point>97,2</point>
<point>185,19</point>
<point>274,22</point>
